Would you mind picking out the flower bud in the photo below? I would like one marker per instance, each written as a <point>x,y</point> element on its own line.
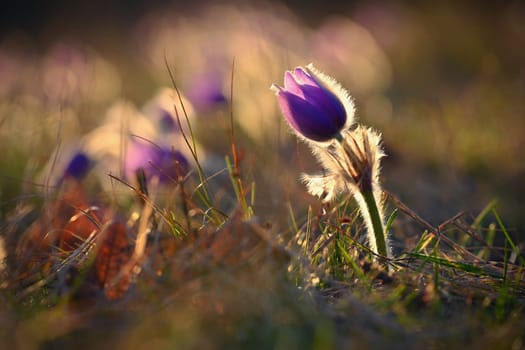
<point>315,105</point>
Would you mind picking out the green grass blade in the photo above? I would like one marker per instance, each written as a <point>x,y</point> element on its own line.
<point>465,267</point>
<point>483,214</point>
<point>508,238</point>
<point>390,220</point>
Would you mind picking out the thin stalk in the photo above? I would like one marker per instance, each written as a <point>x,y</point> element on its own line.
<point>377,224</point>
<point>358,166</point>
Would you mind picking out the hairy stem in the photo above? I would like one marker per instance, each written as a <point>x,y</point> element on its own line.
<point>377,225</point>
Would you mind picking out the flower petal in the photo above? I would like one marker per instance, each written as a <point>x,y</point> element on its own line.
<point>306,118</point>
<point>78,166</point>
<point>324,100</point>
<point>291,85</point>
<point>304,78</point>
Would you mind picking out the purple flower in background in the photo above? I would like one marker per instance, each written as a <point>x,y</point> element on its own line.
<point>162,111</point>
<point>167,121</point>
<point>78,166</point>
<point>205,91</point>
<point>316,106</point>
<point>166,164</point>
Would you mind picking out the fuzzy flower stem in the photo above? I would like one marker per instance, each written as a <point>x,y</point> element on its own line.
<point>366,188</point>
<point>377,225</point>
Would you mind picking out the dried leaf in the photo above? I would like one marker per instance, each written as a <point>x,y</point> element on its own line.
<point>111,264</point>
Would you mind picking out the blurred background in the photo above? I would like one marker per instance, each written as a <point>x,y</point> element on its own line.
<point>444,82</point>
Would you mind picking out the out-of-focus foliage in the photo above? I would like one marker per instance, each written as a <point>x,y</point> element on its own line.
<point>444,82</point>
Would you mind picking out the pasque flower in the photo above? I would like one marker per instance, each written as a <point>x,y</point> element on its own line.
<point>315,105</point>
<point>78,166</point>
<point>320,111</point>
<point>205,91</point>
<point>155,161</point>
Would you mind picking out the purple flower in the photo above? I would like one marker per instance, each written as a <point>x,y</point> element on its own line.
<point>167,122</point>
<point>206,91</point>
<point>78,166</point>
<point>166,164</point>
<point>314,105</point>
